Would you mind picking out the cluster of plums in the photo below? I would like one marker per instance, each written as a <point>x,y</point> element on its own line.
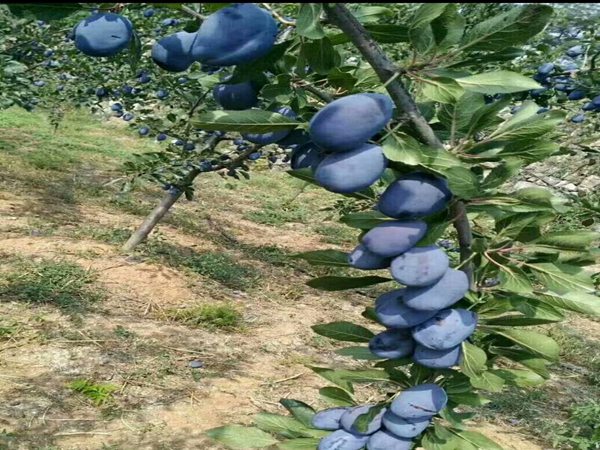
<point>393,428</point>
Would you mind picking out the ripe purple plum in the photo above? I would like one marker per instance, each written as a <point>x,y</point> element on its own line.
<point>173,52</point>
<point>437,359</point>
<point>393,313</point>
<point>420,266</point>
<point>392,344</point>
<point>349,417</point>
<point>361,258</point>
<point>103,34</point>
<point>237,96</point>
<point>384,440</point>
<point>406,428</point>
<point>273,136</point>
<point>393,238</point>
<point>342,440</point>
<point>449,289</point>
<point>419,402</point>
<point>305,156</point>
<point>328,419</point>
<point>446,329</point>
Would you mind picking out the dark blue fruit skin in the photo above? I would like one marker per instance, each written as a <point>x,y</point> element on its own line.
<point>307,155</point>
<point>127,117</point>
<point>161,137</point>
<point>351,171</point>
<point>116,107</point>
<point>348,122</point>
<point>173,52</point>
<point>149,13</point>
<point>161,94</point>
<point>449,289</point>
<point>546,69</point>
<point>384,440</point>
<point>273,136</point>
<point>296,137</point>
<point>144,131</point>
<point>235,96</point>
<point>393,313</point>
<point>575,51</point>
<point>576,95</point>
<point>419,402</point>
<point>578,118</point>
<point>234,35</point>
<point>103,34</point>
<point>361,258</point>
<point>420,266</point>
<point>437,359</point>
<point>39,83</point>
<point>349,417</point>
<point>405,428</point>
<point>392,344</point>
<point>446,329</point>
<point>589,107</point>
<point>342,440</point>
<point>328,419</point>
<point>394,237</point>
<point>596,101</point>
<point>415,195</point>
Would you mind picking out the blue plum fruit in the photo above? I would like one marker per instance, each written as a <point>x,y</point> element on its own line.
<point>48,53</point>
<point>415,195</point>
<point>182,80</point>
<point>361,258</point>
<point>419,402</point>
<point>307,155</point>
<point>384,440</point>
<point>578,118</point>
<point>406,428</point>
<point>144,131</point>
<point>589,107</point>
<point>542,110</point>
<point>394,237</point>
<point>254,156</point>
<point>189,146</point>
<point>149,12</point>
<point>342,440</point>
<point>349,417</point>
<point>348,122</point>
<point>235,96</point>
<point>173,52</point>
<point>295,138</point>
<point>447,329</point>
<point>392,344</point>
<point>169,22</point>
<point>273,136</point>
<point>538,92</point>
<point>437,359</point>
<point>449,289</point>
<point>101,92</point>
<point>328,419</point>
<point>393,313</point>
<point>116,107</point>
<point>575,51</point>
<point>420,266</point>
<point>596,101</point>
<point>161,94</point>
<point>103,34</point>
<point>237,34</point>
<point>351,171</point>
<point>546,68</point>
<point>161,137</point>
<point>39,83</point>
<point>127,117</point>
<point>576,95</point>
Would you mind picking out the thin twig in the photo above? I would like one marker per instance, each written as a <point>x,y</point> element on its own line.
<point>191,12</point>
<point>278,16</point>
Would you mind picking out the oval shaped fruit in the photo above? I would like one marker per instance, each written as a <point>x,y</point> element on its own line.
<point>415,195</point>
<point>351,171</point>
<point>144,131</point>
<point>437,359</point>
<point>546,68</point>
<point>273,136</point>
<point>235,96</point>
<point>350,121</point>
<point>349,417</point>
<point>420,266</point>
<point>576,95</point>
<point>236,34</point>
<point>446,329</point>
<point>295,138</point>
<point>342,440</point>
<point>392,344</point>
<point>406,428</point>
<point>449,289</point>
<point>421,401</point>
<point>361,258</point>
<point>393,313</point>
<point>394,237</point>
<point>307,155</point>
<point>103,34</point>
<point>384,440</point>
<point>328,419</point>
<point>173,52</point>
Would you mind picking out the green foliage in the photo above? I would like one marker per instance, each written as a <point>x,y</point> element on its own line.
<point>98,393</point>
<point>208,316</point>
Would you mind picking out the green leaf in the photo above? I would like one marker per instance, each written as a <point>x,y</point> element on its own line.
<point>344,331</point>
<point>448,29</point>
<point>514,279</point>
<point>520,377</point>
<point>308,23</point>
<point>538,365</point>
<point>14,68</point>
<point>325,258</point>
<point>507,169</point>
<point>514,27</point>
<point>403,148</point>
<point>426,13</point>
<point>364,220</point>
<point>361,424</point>
<point>299,444</point>
<point>367,14</point>
<point>321,55</point>
<point>487,381</point>
<point>336,396</point>
<point>487,116</point>
<point>499,82</point>
<point>238,437</point>
<point>336,377</point>
<point>462,182</point>
<point>247,121</point>
<point>332,283</point>
<point>443,90</point>
<point>539,344</point>
<point>529,152</point>
<point>478,440</point>
<point>469,399</point>
<point>300,410</point>
<point>46,12</point>
<point>577,301</point>
<point>562,278</point>
<point>473,361</point>
<point>359,353</point>
<point>384,33</point>
<point>457,116</point>
<point>569,240</point>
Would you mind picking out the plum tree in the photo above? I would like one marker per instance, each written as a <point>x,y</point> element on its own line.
<point>392,344</point>
<point>447,329</point>
<point>414,195</point>
<point>449,289</point>
<point>234,35</point>
<point>361,258</point>
<point>420,266</point>
<point>274,136</point>
<point>342,440</point>
<point>236,96</point>
<point>420,402</point>
<point>347,123</point>
<point>393,313</point>
<point>394,237</point>
<point>405,428</point>
<point>351,171</point>
<point>347,421</point>
<point>384,440</point>
<point>437,359</point>
<point>103,34</point>
<point>328,419</point>
<point>173,52</point>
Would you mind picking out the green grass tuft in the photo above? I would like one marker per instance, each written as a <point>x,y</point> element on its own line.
<point>207,316</point>
<point>99,394</point>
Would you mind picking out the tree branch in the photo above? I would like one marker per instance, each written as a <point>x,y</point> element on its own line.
<point>387,72</point>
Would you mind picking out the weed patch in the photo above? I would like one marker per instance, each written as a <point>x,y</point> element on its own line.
<point>207,316</point>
